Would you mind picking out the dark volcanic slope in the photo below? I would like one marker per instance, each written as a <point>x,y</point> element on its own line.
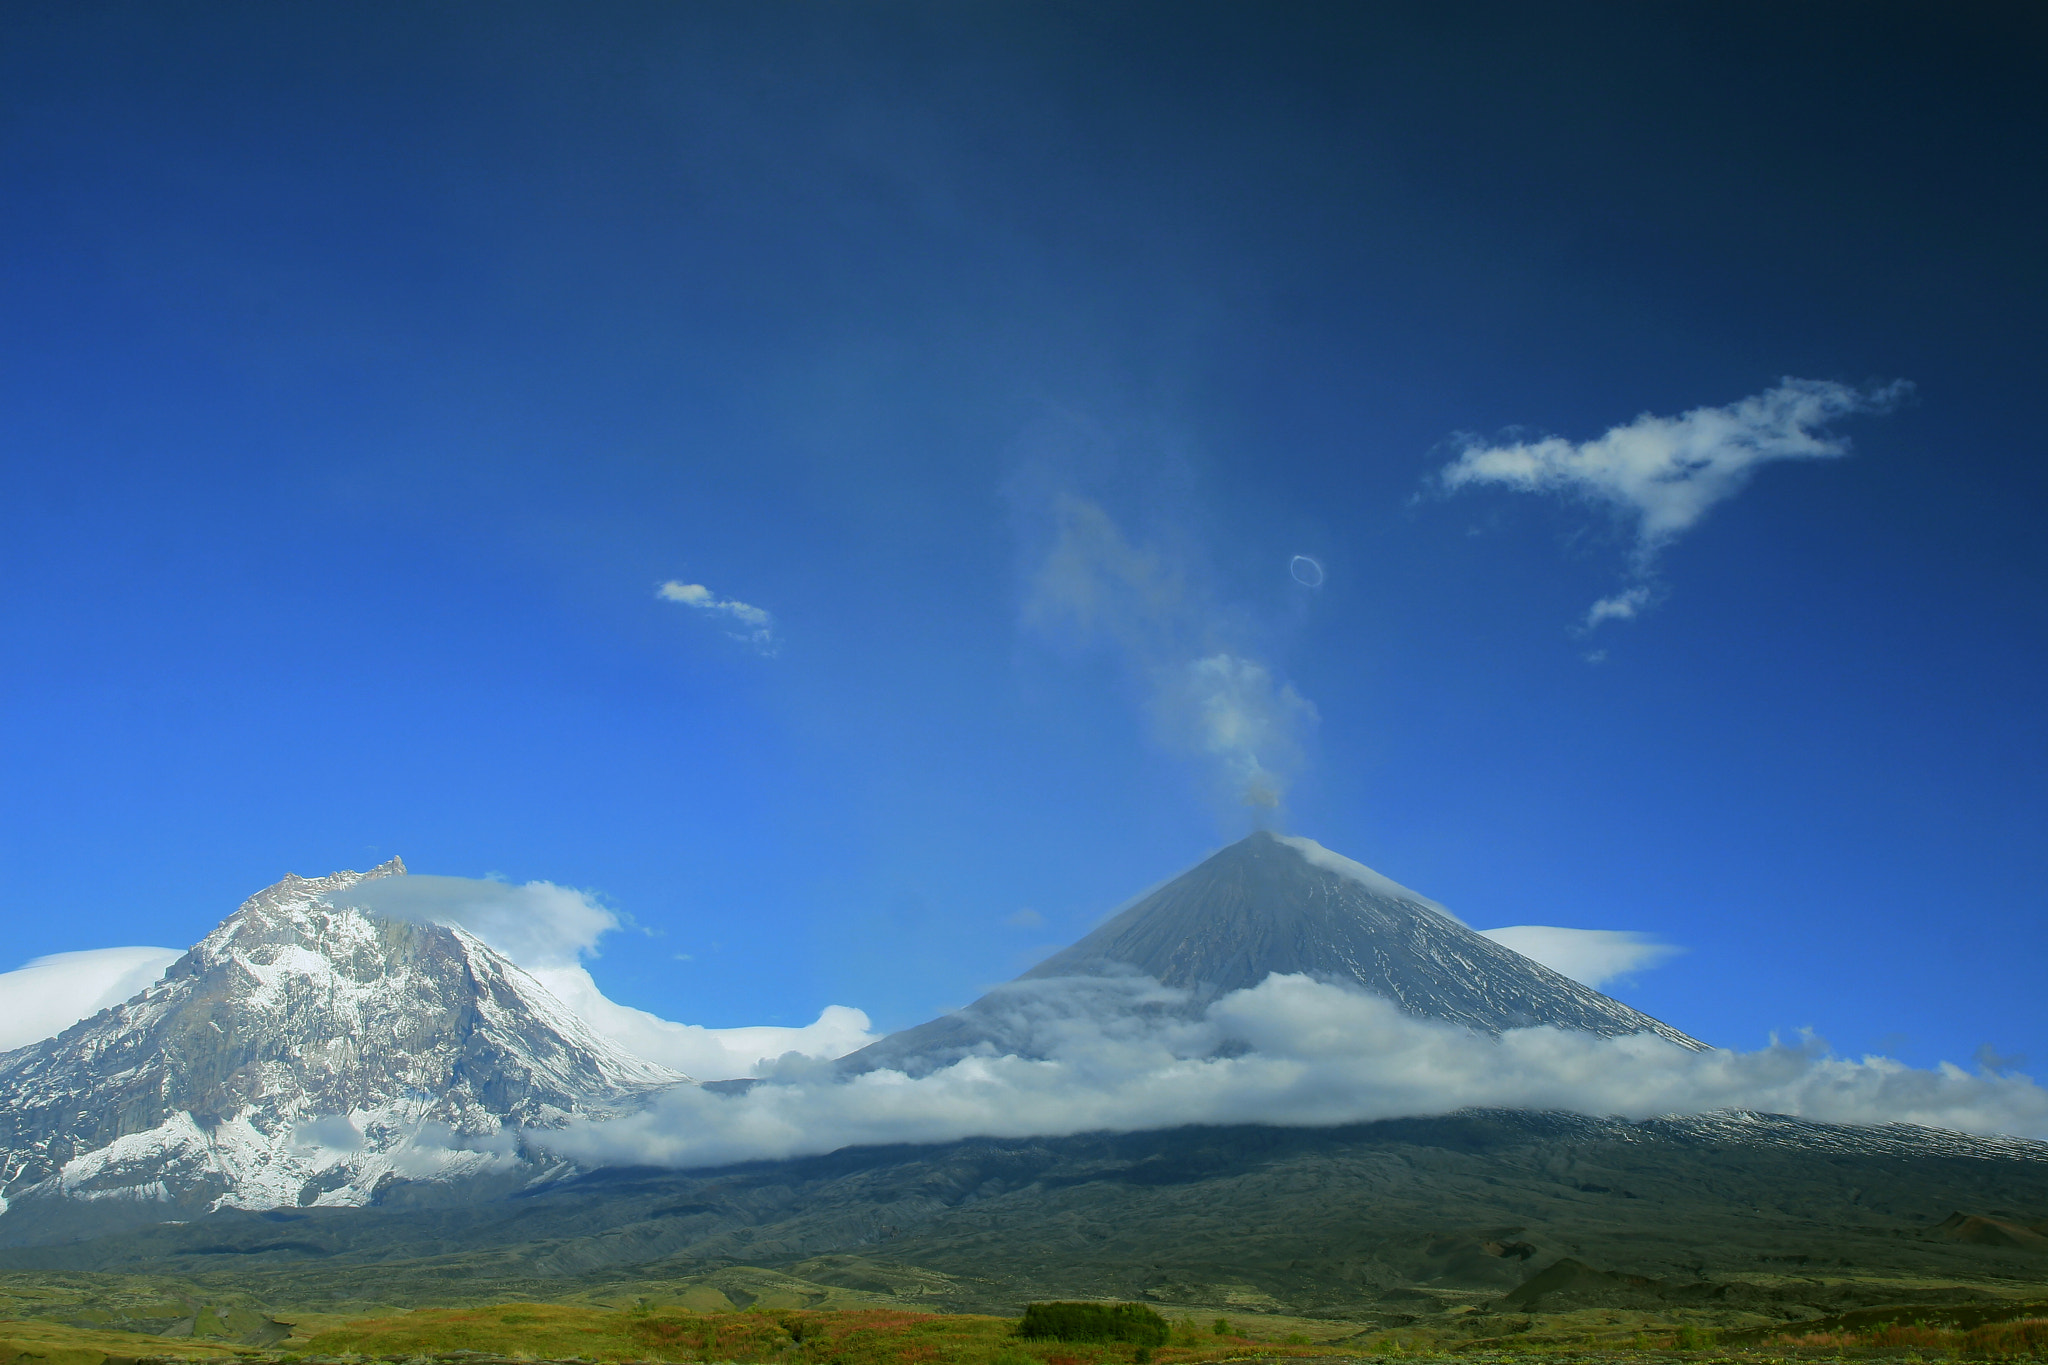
<point>1308,1218</point>
<point>1268,904</point>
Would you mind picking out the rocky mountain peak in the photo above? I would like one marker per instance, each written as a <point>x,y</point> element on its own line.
<point>292,888</point>
<point>303,1052</point>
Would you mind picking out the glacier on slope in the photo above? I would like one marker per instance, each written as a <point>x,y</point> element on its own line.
<point>303,1053</point>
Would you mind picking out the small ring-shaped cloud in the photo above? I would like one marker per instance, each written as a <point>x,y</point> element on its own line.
<point>1306,571</point>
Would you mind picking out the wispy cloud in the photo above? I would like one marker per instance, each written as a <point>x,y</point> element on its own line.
<point>1206,697</point>
<point>52,993</point>
<point>1290,1051</point>
<point>1665,473</point>
<point>1243,718</point>
<point>1590,956</point>
<point>756,626</point>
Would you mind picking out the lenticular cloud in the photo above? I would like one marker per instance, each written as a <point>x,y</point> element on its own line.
<point>50,994</point>
<point>1289,1051</point>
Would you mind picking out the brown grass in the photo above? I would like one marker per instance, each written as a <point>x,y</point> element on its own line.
<point>2023,1337</point>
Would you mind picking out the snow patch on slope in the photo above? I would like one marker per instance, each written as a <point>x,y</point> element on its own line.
<point>1318,856</point>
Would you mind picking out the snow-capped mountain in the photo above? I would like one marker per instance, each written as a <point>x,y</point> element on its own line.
<point>303,1053</point>
<point>1267,904</point>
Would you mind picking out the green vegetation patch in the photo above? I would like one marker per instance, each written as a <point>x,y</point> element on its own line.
<point>54,1343</point>
<point>876,1336</point>
<point>1131,1322</point>
<point>548,1330</point>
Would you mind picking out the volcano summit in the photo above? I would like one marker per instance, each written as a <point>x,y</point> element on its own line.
<point>1273,904</point>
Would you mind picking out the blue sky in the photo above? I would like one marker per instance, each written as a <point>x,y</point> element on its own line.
<point>371,367</point>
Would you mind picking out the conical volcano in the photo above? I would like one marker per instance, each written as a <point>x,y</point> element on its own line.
<point>1268,904</point>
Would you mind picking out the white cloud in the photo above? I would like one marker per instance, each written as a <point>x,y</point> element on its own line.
<point>52,993</point>
<point>1665,473</point>
<point>548,930</point>
<point>1288,1051</point>
<point>538,925</point>
<point>1235,712</point>
<point>757,627</point>
<point>1621,606</point>
<point>1591,956</point>
<point>708,1054</point>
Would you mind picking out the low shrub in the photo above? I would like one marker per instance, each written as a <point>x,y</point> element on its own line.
<point>1132,1322</point>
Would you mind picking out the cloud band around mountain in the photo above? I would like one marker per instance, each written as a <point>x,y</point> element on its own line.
<point>1291,1051</point>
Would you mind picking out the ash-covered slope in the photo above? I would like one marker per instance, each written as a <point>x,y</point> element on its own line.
<point>301,1054</point>
<point>1271,904</point>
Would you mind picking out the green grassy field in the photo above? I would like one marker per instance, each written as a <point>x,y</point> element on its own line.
<point>48,1343</point>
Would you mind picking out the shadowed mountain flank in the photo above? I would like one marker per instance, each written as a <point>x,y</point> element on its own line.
<point>1270,904</point>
